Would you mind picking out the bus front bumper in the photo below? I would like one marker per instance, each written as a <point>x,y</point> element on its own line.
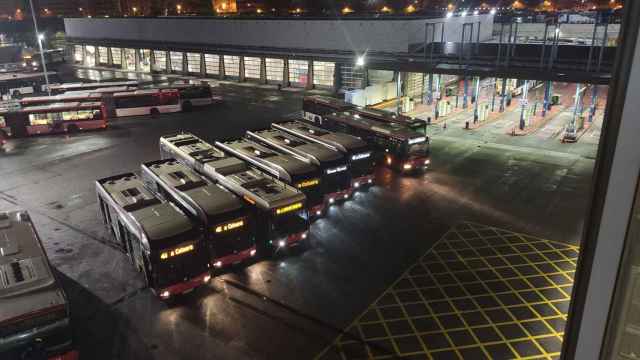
<point>292,240</point>
<point>362,181</point>
<point>185,286</point>
<point>70,355</point>
<point>233,259</point>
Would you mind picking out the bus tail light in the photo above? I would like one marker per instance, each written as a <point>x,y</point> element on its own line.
<point>217,264</point>
<point>388,161</point>
<point>252,252</point>
<point>206,279</point>
<point>407,166</point>
<point>165,294</point>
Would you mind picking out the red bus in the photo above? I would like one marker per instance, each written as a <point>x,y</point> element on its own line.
<point>54,118</point>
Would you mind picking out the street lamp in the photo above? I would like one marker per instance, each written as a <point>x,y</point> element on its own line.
<point>134,9</point>
<point>360,61</point>
<point>40,37</point>
<point>179,8</point>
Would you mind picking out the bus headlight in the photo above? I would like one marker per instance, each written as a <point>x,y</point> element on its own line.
<point>370,181</point>
<point>318,213</point>
<point>407,166</point>
<point>165,294</point>
<point>346,196</point>
<point>304,235</point>
<point>356,184</point>
<point>34,63</point>
<point>427,162</point>
<point>252,252</point>
<point>331,200</point>
<point>281,243</point>
<point>217,264</point>
<point>206,278</point>
<point>388,161</point>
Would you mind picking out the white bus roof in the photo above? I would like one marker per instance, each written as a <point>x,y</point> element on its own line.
<point>75,95</point>
<point>27,283</point>
<point>62,106</point>
<point>344,142</point>
<point>80,85</point>
<point>158,219</point>
<point>144,92</point>
<point>311,151</point>
<point>23,76</point>
<point>210,198</point>
<point>231,172</point>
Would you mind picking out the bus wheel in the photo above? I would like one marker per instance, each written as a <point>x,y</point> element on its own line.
<point>187,106</point>
<point>73,128</point>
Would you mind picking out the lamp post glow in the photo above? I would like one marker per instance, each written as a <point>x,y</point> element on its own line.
<point>360,61</point>
<point>449,14</point>
<point>40,37</point>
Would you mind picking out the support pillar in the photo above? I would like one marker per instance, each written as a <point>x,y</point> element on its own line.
<point>465,95</point>
<point>476,99</point>
<point>594,103</point>
<point>398,91</point>
<point>503,92</point>
<point>436,110</point>
<point>185,64</point>
<point>494,91</point>
<point>263,70</point>
<point>203,67</point>
<point>309,84</point>
<point>523,104</point>
<point>285,75</point>
<point>109,57</point>
<point>546,106</point>
<point>241,77</point>
<point>337,78</point>
<point>221,66</point>
<point>430,90</point>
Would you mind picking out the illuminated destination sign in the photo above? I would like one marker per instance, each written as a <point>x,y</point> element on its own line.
<point>417,140</point>
<point>177,251</point>
<point>361,156</point>
<point>308,183</point>
<point>336,169</point>
<point>229,226</point>
<point>289,208</point>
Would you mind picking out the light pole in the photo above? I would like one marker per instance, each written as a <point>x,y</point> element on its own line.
<point>40,37</point>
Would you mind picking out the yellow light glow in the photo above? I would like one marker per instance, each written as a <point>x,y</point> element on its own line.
<point>385,9</point>
<point>411,8</point>
<point>308,183</point>
<point>259,11</point>
<point>230,226</point>
<point>177,251</point>
<point>347,10</point>
<point>289,208</point>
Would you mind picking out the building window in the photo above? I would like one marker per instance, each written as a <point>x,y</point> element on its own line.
<point>212,64</point>
<point>275,69</point>
<point>323,73</point>
<point>193,62</point>
<point>160,60</point>
<point>298,72</point>
<point>116,56</point>
<point>232,66</point>
<point>252,67</point>
<point>77,53</point>
<point>103,55</point>
<point>176,61</point>
<point>90,55</point>
<point>130,59</point>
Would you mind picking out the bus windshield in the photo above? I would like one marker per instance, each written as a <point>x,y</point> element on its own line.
<point>291,223</point>
<point>175,263</point>
<point>418,149</point>
<point>231,236</point>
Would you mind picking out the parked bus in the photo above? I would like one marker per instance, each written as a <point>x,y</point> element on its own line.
<point>161,241</point>
<point>335,177</point>
<point>193,95</point>
<point>18,84</point>
<point>399,147</point>
<point>146,102</point>
<point>34,310</point>
<point>62,98</point>
<point>291,169</point>
<point>88,86</point>
<point>282,218</point>
<point>228,224</point>
<point>54,118</point>
<point>317,105</point>
<point>357,152</point>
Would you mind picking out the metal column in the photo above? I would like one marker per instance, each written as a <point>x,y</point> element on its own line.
<point>594,103</point>
<point>466,90</point>
<point>476,97</point>
<point>430,90</point>
<point>546,105</point>
<point>523,104</point>
<point>503,98</point>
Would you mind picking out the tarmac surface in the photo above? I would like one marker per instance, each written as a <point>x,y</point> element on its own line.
<point>293,306</point>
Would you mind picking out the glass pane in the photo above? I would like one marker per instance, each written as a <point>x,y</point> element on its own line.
<point>160,60</point>
<point>323,73</point>
<point>144,62</point>
<point>90,55</point>
<point>212,64</point>
<point>77,53</point>
<point>116,56</point>
<point>275,69</point>
<point>252,67</point>
<point>103,54</point>
<point>176,61</point>
<point>624,333</point>
<point>231,66</point>
<point>193,62</point>
<point>130,59</point>
<point>298,71</point>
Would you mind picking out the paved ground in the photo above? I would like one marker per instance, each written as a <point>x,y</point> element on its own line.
<point>353,255</point>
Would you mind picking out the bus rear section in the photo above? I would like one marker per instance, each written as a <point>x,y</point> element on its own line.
<point>34,310</point>
<point>55,118</point>
<point>288,168</point>
<point>335,175</point>
<point>146,102</point>
<point>281,214</point>
<point>194,95</point>
<point>414,124</point>
<point>161,241</point>
<point>227,223</point>
<point>358,154</point>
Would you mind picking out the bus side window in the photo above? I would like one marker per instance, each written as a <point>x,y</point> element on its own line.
<point>134,248</point>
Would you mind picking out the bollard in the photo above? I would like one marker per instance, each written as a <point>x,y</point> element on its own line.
<point>466,125</point>
<point>428,120</point>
